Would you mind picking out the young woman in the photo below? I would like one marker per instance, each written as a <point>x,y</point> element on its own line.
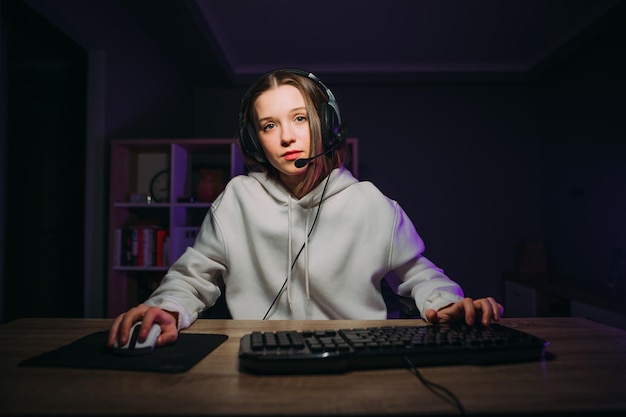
<point>299,237</point>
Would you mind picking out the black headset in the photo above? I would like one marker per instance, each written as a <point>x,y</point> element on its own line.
<point>333,131</point>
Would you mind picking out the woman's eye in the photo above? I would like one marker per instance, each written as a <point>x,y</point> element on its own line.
<point>268,127</point>
<point>301,118</point>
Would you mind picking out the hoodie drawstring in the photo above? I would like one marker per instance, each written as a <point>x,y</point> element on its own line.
<point>289,252</point>
<point>306,250</point>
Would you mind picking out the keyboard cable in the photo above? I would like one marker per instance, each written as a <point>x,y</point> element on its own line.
<point>439,390</point>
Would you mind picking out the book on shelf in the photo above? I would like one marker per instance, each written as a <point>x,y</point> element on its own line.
<point>140,246</point>
<point>161,236</point>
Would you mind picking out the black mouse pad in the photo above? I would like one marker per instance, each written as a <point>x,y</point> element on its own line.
<point>91,352</point>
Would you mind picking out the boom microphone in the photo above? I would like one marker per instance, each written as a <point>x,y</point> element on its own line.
<point>300,163</point>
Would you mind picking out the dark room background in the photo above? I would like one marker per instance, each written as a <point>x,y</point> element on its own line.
<point>480,166</point>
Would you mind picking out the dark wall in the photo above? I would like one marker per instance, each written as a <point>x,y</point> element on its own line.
<point>483,167</point>
<point>583,107</point>
<point>54,248</point>
<point>45,126</point>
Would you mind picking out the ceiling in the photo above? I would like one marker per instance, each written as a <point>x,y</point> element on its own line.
<point>233,41</point>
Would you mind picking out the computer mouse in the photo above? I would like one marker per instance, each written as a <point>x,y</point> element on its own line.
<point>134,346</point>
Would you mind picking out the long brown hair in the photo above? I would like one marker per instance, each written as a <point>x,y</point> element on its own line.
<point>313,99</point>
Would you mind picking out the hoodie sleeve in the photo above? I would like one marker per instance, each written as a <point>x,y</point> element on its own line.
<point>192,283</point>
<point>418,276</point>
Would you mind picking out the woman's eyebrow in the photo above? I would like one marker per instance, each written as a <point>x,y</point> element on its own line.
<point>296,110</point>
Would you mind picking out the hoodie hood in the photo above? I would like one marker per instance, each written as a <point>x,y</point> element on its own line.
<point>340,178</point>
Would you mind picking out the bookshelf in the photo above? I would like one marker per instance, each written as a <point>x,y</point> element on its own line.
<point>159,184</point>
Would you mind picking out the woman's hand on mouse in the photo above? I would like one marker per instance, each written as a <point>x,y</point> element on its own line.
<point>120,329</point>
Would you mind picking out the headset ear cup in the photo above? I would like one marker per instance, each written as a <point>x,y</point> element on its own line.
<point>251,145</point>
<point>329,125</point>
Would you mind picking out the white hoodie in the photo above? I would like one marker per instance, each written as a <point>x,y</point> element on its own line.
<point>254,231</point>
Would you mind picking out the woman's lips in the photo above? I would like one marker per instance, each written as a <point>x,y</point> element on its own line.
<point>292,156</point>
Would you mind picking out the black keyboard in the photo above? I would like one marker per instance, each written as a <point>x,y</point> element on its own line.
<point>342,350</point>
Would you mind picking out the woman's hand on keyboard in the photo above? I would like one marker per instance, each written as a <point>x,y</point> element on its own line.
<point>485,309</point>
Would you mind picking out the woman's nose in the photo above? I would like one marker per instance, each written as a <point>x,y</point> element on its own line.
<point>287,135</point>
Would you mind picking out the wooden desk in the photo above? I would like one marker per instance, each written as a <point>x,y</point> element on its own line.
<point>587,375</point>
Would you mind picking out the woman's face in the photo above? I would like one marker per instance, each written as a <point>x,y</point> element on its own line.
<point>283,130</point>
